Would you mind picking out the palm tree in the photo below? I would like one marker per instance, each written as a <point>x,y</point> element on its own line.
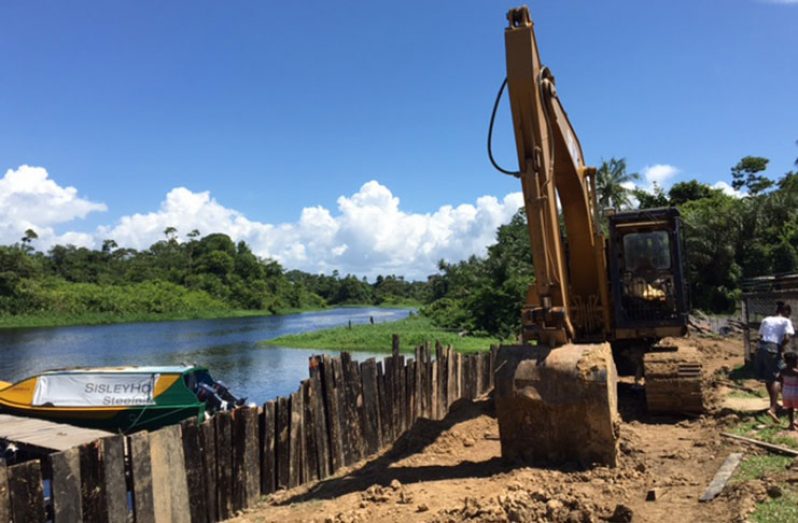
<point>613,184</point>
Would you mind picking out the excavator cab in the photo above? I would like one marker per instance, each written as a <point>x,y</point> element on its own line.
<point>646,275</point>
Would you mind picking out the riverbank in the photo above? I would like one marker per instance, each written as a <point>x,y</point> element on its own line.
<point>413,331</point>
<point>48,319</point>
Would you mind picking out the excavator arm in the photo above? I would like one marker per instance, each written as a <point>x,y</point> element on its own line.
<point>569,299</point>
<point>556,397</point>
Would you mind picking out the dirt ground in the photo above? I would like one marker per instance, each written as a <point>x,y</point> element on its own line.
<point>451,470</point>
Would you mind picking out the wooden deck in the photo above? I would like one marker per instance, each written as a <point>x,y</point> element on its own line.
<point>44,435</point>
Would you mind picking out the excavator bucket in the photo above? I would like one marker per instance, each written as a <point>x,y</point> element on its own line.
<point>557,406</point>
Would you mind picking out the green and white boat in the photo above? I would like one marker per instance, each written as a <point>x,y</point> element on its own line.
<point>120,399</point>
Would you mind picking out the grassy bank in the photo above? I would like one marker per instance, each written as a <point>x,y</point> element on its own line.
<point>413,331</point>
<point>105,318</point>
<point>54,319</point>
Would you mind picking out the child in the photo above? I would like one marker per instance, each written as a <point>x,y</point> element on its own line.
<point>789,380</point>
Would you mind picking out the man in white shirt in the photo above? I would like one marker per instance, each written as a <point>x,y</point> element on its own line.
<point>774,333</point>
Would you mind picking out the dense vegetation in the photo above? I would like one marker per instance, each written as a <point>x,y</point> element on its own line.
<point>414,331</point>
<point>727,238</point>
<point>193,278</point>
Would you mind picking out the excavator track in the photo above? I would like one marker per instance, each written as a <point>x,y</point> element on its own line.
<point>674,378</point>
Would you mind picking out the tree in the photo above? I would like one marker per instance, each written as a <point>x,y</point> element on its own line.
<point>650,200</point>
<point>26,240</point>
<point>612,184</point>
<point>744,174</point>
<point>170,233</point>
<point>683,192</point>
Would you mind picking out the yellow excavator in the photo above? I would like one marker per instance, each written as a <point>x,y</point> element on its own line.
<point>597,298</point>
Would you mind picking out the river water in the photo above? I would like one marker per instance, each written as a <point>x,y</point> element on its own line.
<point>228,347</point>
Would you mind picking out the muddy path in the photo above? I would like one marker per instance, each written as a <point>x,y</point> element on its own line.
<point>451,471</point>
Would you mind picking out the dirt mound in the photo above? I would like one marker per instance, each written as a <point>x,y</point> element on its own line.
<point>451,471</point>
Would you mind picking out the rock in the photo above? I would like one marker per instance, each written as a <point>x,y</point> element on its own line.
<point>422,507</point>
<point>653,494</point>
<point>469,442</point>
<point>622,514</point>
<point>396,484</point>
<point>774,491</point>
<point>578,516</point>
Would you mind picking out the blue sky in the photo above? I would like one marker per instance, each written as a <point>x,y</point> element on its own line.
<point>269,108</point>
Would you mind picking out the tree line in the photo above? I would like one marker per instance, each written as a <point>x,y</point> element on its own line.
<point>727,238</point>
<point>172,276</point>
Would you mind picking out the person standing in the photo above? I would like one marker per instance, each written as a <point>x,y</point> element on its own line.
<point>788,377</point>
<point>774,334</point>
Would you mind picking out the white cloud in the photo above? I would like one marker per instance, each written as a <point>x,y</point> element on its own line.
<point>660,174</point>
<point>29,199</point>
<point>368,235</point>
<point>728,189</point>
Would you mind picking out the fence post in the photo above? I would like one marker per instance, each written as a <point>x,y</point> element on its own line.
<point>268,478</point>
<point>195,471</point>
<point>224,464</point>
<point>65,487</point>
<point>5,500</point>
<point>331,408</point>
<point>27,496</point>
<point>92,495</point>
<point>169,487</point>
<point>112,453</point>
<point>141,477</point>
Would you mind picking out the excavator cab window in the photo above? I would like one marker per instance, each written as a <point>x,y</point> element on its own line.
<point>646,262</point>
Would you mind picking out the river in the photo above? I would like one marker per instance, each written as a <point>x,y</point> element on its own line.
<point>228,347</point>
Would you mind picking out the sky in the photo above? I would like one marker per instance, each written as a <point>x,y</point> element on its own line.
<point>351,136</point>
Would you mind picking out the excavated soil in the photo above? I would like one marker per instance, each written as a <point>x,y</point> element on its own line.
<point>451,471</point>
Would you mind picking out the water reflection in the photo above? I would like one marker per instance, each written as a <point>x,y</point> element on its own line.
<point>229,347</point>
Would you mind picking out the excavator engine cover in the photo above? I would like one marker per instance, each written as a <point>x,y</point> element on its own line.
<point>557,405</point>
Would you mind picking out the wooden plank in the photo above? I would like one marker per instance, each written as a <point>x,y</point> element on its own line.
<point>224,464</point>
<point>418,371</point>
<point>141,477</point>
<point>331,414</point>
<point>65,486</point>
<point>399,383</point>
<point>319,419</point>
<point>479,370</point>
<point>195,471</point>
<point>207,437</point>
<point>410,387</point>
<point>295,441</point>
<point>268,469</point>
<point>343,425</point>
<point>451,378</point>
<point>440,397</point>
<point>283,442</point>
<point>386,431</point>
<point>775,448</point>
<point>434,391</point>
<point>5,500</point>
<point>354,407</point>
<point>48,435</point>
<point>169,485</point>
<point>92,495</point>
<point>27,496</point>
<point>371,406</point>
<point>493,351</point>
<point>389,418</point>
<point>722,476</point>
<point>112,457</point>
<point>310,465</point>
<point>246,465</point>
<point>459,371</point>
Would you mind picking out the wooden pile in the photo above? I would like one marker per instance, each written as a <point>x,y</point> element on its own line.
<point>344,412</point>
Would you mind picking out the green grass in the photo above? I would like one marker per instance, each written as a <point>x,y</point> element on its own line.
<point>770,433</point>
<point>754,467</point>
<point>104,318</point>
<point>412,332</point>
<point>777,510</point>
<point>736,393</point>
